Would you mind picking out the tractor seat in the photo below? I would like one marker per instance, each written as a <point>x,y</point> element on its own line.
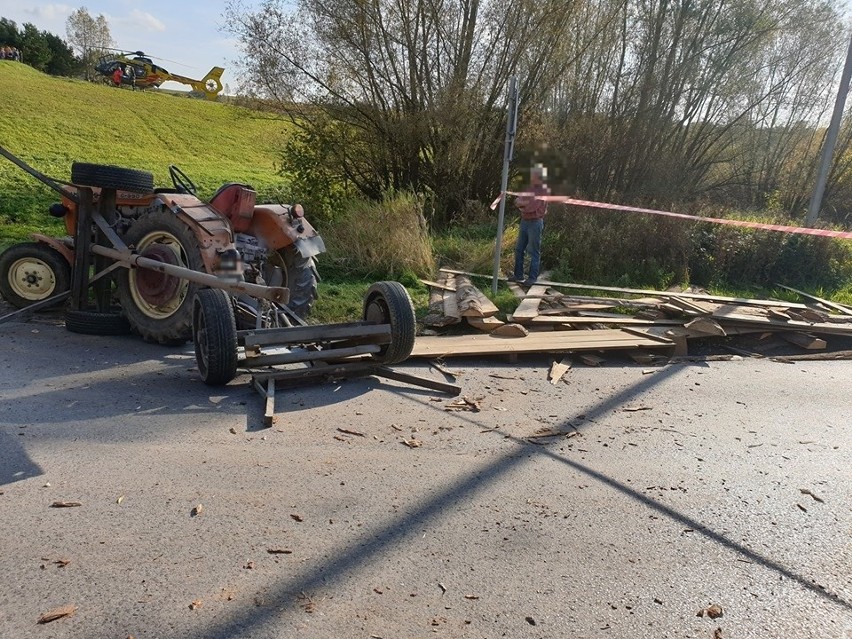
<point>236,202</point>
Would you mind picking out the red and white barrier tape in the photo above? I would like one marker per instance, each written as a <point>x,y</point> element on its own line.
<point>559,199</point>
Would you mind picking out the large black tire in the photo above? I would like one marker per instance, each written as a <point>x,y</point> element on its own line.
<point>112,177</point>
<point>89,322</point>
<point>389,303</point>
<point>300,276</point>
<point>31,272</point>
<point>159,306</point>
<point>214,332</point>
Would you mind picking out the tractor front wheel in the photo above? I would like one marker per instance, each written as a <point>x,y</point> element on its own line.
<point>32,272</point>
<point>159,306</point>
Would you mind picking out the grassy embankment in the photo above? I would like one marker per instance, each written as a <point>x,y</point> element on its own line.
<point>51,122</point>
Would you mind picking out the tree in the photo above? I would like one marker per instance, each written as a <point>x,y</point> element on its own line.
<point>34,48</point>
<point>88,36</point>
<point>62,60</point>
<point>407,94</point>
<point>9,34</point>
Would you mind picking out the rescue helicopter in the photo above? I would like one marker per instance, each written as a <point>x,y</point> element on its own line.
<point>138,70</point>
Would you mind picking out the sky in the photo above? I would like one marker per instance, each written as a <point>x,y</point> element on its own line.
<point>187,33</point>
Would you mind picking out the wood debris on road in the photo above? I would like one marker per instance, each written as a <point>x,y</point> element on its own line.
<point>557,320</point>
<point>67,610</point>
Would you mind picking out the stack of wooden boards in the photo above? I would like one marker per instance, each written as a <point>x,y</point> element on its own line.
<point>547,320</point>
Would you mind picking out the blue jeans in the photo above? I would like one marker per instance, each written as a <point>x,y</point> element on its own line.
<point>529,239</point>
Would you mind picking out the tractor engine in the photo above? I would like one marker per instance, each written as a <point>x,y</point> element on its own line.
<point>254,257</point>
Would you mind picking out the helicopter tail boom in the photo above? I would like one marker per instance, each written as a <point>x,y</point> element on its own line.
<point>210,85</point>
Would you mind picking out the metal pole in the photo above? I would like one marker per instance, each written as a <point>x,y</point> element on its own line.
<point>830,141</point>
<point>508,151</point>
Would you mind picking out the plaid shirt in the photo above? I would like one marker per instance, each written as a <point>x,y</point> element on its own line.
<point>532,209</point>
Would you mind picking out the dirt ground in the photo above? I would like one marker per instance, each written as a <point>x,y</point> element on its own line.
<point>617,503</point>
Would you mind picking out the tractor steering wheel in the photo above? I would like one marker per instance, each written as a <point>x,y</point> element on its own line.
<point>182,183</point>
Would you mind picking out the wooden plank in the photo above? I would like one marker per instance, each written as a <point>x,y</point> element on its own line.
<point>408,378</point>
<point>528,308</point>
<point>739,319</point>
<point>558,369</point>
<point>843,310</point>
<point>593,319</point>
<point>779,314</point>
<point>810,315</point>
<point>591,360</point>
<point>635,291</point>
<point>692,307</point>
<point>435,316</point>
<point>510,331</point>
<point>814,357</point>
<point>805,340</point>
<point>659,334</point>
<point>705,326</point>
<point>438,285</point>
<point>577,307</point>
<point>550,342</point>
<point>451,306</point>
<point>471,301</point>
<point>516,289</point>
<point>485,324</point>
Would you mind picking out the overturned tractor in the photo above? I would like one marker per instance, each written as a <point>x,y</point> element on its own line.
<point>172,267</point>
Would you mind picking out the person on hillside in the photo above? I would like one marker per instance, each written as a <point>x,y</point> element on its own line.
<point>532,225</point>
<point>116,76</point>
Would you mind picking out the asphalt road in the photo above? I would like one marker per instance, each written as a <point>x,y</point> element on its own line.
<point>662,493</point>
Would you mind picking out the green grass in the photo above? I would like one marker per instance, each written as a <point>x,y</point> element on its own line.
<point>51,122</point>
<point>342,299</point>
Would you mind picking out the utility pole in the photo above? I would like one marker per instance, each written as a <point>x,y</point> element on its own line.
<point>830,141</point>
<point>508,153</point>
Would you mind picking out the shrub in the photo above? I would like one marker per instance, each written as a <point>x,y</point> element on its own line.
<point>388,238</point>
<point>471,248</point>
<point>615,248</point>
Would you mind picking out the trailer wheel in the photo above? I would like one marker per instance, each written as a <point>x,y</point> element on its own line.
<point>31,272</point>
<point>300,276</point>
<point>159,306</point>
<point>112,177</point>
<point>389,303</point>
<point>215,334</point>
<point>90,322</point>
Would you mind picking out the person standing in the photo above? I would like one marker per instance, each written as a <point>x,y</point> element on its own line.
<point>532,225</point>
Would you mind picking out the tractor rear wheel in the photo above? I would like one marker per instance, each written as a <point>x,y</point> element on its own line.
<point>300,276</point>
<point>214,332</point>
<point>31,272</point>
<point>389,303</point>
<point>112,177</point>
<point>159,306</point>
